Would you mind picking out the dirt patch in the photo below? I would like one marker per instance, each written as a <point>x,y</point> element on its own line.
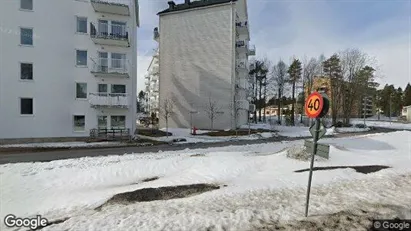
<point>365,169</point>
<point>299,152</point>
<point>162,193</point>
<point>152,133</point>
<point>197,155</point>
<point>150,179</point>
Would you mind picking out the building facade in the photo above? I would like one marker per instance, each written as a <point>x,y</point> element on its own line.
<point>67,67</point>
<point>152,85</point>
<point>204,49</point>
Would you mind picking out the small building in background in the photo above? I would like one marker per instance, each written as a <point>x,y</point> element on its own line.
<point>406,113</point>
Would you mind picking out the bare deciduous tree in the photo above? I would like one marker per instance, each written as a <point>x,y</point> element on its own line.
<point>213,110</point>
<point>353,61</point>
<point>166,111</point>
<point>279,80</point>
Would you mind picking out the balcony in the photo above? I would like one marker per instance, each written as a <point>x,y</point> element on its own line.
<point>109,100</point>
<point>104,67</point>
<point>241,66</point>
<point>113,34</point>
<point>242,27</point>
<point>241,83</point>
<point>111,7</point>
<point>241,46</point>
<point>251,50</point>
<point>154,70</point>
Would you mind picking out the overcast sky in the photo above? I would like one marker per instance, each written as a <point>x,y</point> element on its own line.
<point>281,29</point>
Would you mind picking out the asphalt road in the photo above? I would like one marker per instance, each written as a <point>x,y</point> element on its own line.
<point>77,153</point>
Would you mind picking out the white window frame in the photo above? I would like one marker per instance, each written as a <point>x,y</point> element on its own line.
<point>23,9</point>
<point>32,70</point>
<point>79,65</point>
<point>32,37</point>
<point>76,91</point>
<point>74,127</point>
<point>32,105</point>
<point>77,24</point>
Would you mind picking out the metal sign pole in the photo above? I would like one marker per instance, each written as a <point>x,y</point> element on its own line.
<point>317,130</point>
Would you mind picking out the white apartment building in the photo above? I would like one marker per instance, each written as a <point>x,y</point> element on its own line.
<point>152,85</point>
<point>67,67</point>
<point>204,49</point>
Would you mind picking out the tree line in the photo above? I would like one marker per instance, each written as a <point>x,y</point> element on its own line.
<point>349,76</point>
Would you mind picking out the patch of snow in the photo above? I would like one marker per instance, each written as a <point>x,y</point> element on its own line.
<point>262,185</point>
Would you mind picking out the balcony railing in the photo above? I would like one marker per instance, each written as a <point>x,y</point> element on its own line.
<point>112,7</point>
<point>242,46</point>
<point>251,50</point>
<point>117,100</point>
<point>104,67</point>
<point>109,34</point>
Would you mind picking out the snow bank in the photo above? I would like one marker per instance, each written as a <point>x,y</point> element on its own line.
<point>384,124</point>
<point>262,185</point>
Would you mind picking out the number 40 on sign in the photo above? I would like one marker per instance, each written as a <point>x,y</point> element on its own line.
<point>316,105</point>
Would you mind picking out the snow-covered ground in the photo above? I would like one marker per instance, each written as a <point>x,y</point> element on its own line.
<point>262,186</point>
<point>384,124</point>
<point>61,145</point>
<point>185,133</point>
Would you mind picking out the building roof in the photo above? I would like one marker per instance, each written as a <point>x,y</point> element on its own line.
<point>194,4</point>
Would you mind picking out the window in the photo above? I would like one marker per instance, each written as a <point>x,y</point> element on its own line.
<point>102,121</point>
<point>26,36</point>
<point>79,123</point>
<point>26,4</point>
<point>118,60</point>
<point>118,28</point>
<point>116,88</point>
<point>103,27</point>
<point>103,60</point>
<point>81,57</point>
<point>26,106</point>
<point>26,71</point>
<point>82,24</point>
<point>102,89</point>
<point>81,90</point>
<point>118,122</point>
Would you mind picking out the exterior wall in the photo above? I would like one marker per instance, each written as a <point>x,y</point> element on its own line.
<point>55,73</point>
<point>196,64</point>
<point>152,85</point>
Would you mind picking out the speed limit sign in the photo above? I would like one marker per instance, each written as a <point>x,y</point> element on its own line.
<point>316,105</point>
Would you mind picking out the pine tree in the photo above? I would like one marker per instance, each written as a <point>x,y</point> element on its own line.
<point>332,69</point>
<point>294,71</point>
<point>407,95</point>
